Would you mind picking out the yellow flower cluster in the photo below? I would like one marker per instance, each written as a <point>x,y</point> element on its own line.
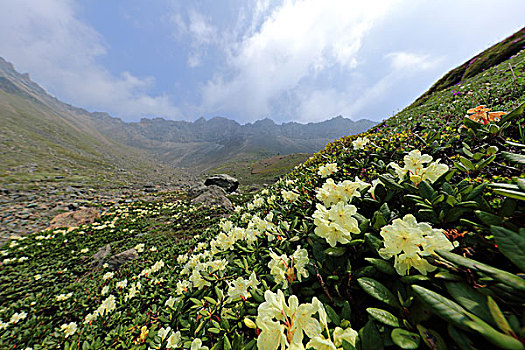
<point>409,242</point>
<point>415,168</point>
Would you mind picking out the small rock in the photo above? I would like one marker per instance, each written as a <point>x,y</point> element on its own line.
<point>75,218</point>
<point>101,255</point>
<point>117,260</point>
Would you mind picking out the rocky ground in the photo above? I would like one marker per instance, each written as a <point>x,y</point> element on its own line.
<point>24,211</point>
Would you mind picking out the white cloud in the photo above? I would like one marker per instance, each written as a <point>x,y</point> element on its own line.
<point>46,38</point>
<point>408,61</point>
<point>298,41</point>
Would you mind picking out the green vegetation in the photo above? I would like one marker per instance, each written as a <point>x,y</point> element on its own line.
<point>253,170</point>
<point>407,236</point>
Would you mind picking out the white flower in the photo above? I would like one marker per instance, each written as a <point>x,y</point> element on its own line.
<point>153,249</point>
<point>90,317</point>
<point>409,241</point>
<point>348,335</point>
<point>37,277</point>
<point>182,287</point>
<point>196,344</point>
<point>104,290</point>
<point>181,259</point>
<point>336,224</point>
<point>238,289</point>
<point>139,248</point>
<point>16,317</point>
<point>284,325</point>
<point>327,170</point>
<point>360,142</point>
<point>85,250</point>
<point>320,343</point>
<point>108,275</point>
<point>62,297</point>
<point>174,340</point>
<point>69,329</point>
<point>107,305</point>
<point>122,284</point>
<point>289,196</point>
<point>170,302</point>
<point>163,332</point>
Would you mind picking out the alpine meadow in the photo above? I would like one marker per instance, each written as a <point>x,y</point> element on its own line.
<point>408,235</point>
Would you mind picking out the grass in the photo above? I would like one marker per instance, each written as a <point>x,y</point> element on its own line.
<point>254,171</point>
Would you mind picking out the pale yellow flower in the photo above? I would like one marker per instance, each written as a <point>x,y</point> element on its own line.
<point>163,332</point>
<point>196,344</point>
<point>69,329</point>
<point>174,340</point>
<point>409,241</point>
<point>285,324</point>
<point>327,169</point>
<point>17,316</point>
<point>360,142</point>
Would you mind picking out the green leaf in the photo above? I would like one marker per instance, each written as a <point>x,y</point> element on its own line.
<point>383,316</point>
<point>335,251</point>
<point>498,316</point>
<point>227,344</point>
<point>443,307</point>
<point>378,220</point>
<point>373,241</point>
<point>431,338</point>
<point>378,291</point>
<point>370,337</point>
<point>511,194</point>
<point>497,338</point>
<point>389,182</point>
<point>488,218</point>
<point>514,157</point>
<point>467,163</point>
<point>470,299</point>
<point>477,191</point>
<point>511,244</point>
<point>460,338</point>
<point>346,313</point>
<point>485,162</point>
<point>425,190</point>
<point>516,113</point>
<point>382,265</point>
<point>405,339</point>
<point>332,315</point>
<point>503,276</point>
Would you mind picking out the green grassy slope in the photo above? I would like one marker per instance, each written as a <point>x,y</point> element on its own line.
<point>42,138</point>
<point>431,257</point>
<point>257,169</point>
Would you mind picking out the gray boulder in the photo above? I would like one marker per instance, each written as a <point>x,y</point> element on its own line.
<point>196,190</point>
<point>213,196</point>
<point>121,258</point>
<point>101,255</point>
<point>227,182</point>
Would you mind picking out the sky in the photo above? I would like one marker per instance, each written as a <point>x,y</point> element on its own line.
<point>288,60</point>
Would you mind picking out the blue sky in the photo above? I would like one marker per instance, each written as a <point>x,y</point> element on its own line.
<point>305,61</point>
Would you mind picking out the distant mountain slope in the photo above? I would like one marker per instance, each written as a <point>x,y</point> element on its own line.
<point>41,135</point>
<point>207,143</point>
<point>37,128</point>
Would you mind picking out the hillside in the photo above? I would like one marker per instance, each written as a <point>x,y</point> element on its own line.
<point>45,140</point>
<point>409,235</point>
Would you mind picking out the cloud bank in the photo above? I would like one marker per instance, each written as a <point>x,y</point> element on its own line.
<point>47,39</point>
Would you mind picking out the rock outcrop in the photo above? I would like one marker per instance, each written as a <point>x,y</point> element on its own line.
<point>227,182</point>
